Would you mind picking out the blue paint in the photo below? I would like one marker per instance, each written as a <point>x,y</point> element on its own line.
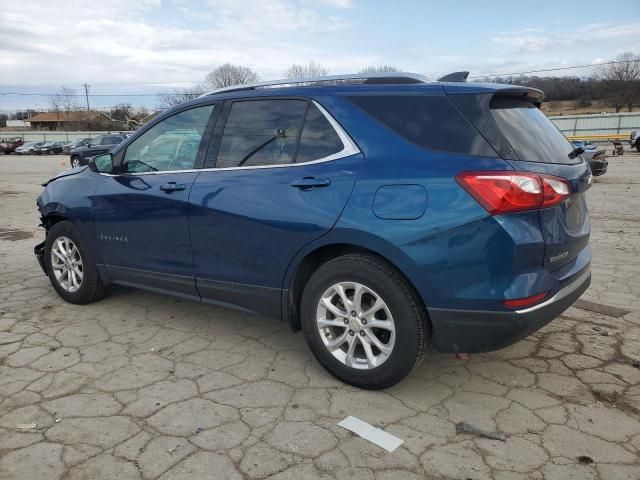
<point>239,236</point>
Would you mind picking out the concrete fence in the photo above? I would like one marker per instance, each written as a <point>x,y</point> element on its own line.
<point>573,126</point>
<point>50,136</point>
<point>597,124</point>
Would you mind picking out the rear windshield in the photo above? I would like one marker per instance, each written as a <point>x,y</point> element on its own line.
<point>531,134</point>
<point>430,121</point>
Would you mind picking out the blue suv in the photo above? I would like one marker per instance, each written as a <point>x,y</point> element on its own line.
<point>380,214</point>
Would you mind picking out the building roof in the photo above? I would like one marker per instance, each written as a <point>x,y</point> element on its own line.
<point>62,117</point>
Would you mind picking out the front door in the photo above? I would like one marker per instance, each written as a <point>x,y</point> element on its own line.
<point>141,215</point>
<point>284,172</point>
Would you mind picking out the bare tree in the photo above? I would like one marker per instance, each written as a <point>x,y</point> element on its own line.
<point>312,69</point>
<point>622,80</point>
<point>63,101</point>
<point>68,102</point>
<point>177,96</point>
<point>228,75</point>
<point>55,105</point>
<point>379,69</point>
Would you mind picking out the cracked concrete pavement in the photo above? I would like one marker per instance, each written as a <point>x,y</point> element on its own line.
<point>144,386</point>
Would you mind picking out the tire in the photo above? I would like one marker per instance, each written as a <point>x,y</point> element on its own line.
<point>638,146</point>
<point>75,162</point>
<point>402,307</point>
<point>91,287</point>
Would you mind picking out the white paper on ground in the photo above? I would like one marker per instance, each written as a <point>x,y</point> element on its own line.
<point>369,432</point>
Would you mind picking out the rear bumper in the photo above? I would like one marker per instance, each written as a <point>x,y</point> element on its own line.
<point>473,331</point>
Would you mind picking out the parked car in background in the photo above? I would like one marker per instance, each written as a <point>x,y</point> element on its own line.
<point>101,144</point>
<point>9,145</point>
<point>28,148</point>
<point>381,217</point>
<point>48,148</point>
<point>76,144</point>
<point>634,139</point>
<point>596,157</point>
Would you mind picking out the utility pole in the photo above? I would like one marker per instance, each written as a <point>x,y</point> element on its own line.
<point>86,93</point>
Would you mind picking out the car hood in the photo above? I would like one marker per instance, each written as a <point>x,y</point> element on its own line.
<point>66,173</point>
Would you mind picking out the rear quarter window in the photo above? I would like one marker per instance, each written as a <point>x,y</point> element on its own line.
<point>429,121</point>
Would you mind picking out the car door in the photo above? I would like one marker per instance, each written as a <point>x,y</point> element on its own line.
<point>141,215</point>
<point>284,170</point>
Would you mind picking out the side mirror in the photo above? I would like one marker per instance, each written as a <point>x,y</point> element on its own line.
<point>101,163</point>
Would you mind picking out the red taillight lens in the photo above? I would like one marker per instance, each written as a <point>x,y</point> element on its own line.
<point>524,302</point>
<point>504,191</point>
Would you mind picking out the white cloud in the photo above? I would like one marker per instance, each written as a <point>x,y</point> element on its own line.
<point>534,40</point>
<point>135,41</point>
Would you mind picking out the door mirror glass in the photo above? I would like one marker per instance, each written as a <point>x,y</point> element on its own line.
<point>102,163</point>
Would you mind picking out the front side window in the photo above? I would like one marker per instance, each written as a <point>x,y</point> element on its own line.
<point>261,132</point>
<point>171,144</point>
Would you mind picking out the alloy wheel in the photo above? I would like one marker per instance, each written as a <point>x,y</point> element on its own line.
<point>356,325</point>
<point>66,263</point>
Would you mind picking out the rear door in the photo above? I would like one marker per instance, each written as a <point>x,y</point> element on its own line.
<point>283,171</point>
<point>528,140</point>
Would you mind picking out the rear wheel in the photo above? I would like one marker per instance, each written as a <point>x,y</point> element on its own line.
<point>71,265</point>
<point>363,322</point>
<point>75,162</point>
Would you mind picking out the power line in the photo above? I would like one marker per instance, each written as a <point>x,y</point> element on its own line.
<point>555,69</point>
<point>86,94</point>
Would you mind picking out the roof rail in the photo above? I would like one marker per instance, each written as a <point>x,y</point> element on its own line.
<point>357,78</point>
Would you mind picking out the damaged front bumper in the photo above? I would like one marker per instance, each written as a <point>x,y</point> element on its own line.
<point>38,250</point>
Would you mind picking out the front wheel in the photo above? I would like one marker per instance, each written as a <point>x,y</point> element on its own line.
<point>75,162</point>
<point>71,265</point>
<point>363,321</point>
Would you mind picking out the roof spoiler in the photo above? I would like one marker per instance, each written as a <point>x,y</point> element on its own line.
<point>530,94</point>
<point>460,77</point>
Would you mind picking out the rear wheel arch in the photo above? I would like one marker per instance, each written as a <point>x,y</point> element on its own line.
<point>321,255</point>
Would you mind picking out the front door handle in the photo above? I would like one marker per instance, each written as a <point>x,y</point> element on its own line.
<point>173,187</point>
<point>307,183</point>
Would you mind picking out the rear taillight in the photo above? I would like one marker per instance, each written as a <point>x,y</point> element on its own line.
<point>507,191</point>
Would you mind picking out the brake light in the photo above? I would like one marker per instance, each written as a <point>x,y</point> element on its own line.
<point>524,302</point>
<point>507,191</point>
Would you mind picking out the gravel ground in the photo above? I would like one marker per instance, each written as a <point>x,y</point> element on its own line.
<point>141,385</point>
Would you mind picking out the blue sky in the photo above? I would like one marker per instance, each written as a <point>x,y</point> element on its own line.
<point>146,46</point>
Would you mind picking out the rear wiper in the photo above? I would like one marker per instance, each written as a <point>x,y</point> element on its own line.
<point>575,152</point>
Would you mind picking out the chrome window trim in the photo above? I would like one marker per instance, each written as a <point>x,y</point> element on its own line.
<point>349,148</point>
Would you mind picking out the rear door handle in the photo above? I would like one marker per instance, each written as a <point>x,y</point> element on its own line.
<point>307,183</point>
<point>173,187</point>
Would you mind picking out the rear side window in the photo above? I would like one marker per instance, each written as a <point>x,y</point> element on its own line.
<point>261,132</point>
<point>319,139</point>
<point>531,134</point>
<point>430,121</point>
